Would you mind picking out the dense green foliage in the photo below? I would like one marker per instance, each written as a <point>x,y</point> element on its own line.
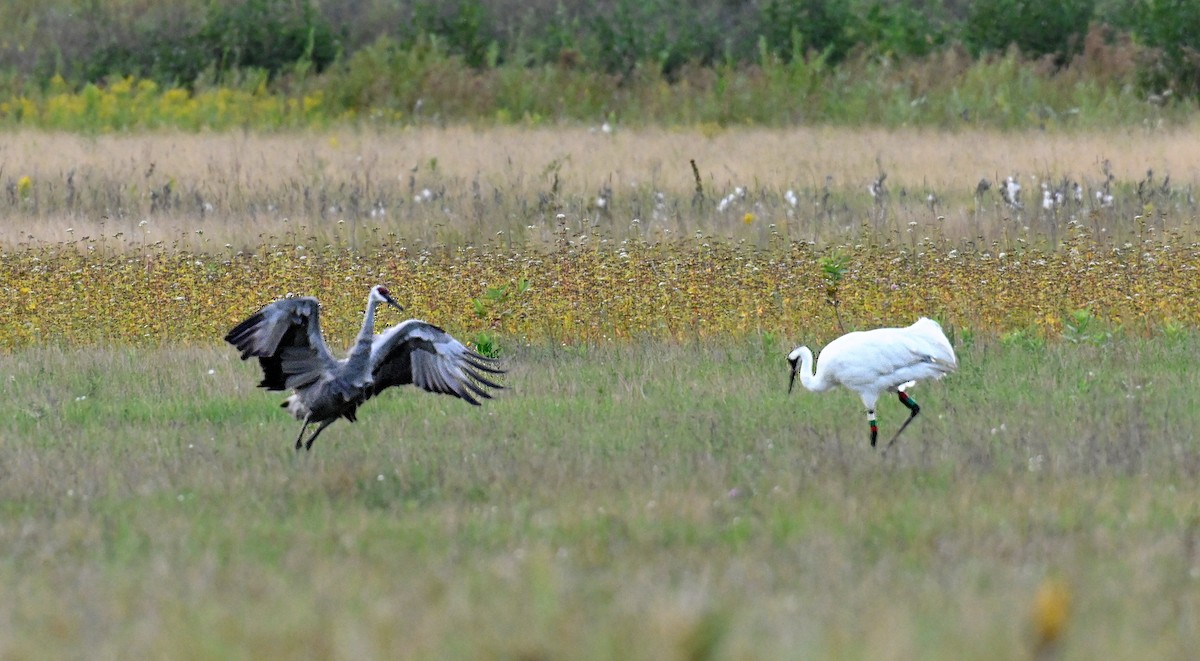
<point>271,35</point>
<point>387,83</point>
<point>181,43</point>
<point>1172,28</point>
<point>1036,28</point>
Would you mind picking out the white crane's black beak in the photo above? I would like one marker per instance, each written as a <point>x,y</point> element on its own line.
<point>792,381</point>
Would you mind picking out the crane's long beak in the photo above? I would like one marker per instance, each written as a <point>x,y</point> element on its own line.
<point>392,302</point>
<point>792,380</point>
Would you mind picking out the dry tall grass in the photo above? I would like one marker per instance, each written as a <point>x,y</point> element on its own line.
<point>460,183</point>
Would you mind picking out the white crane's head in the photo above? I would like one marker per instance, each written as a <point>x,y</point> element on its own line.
<point>380,294</point>
<point>794,361</point>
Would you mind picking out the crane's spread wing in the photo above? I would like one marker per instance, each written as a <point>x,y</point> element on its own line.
<point>418,353</point>
<point>286,338</point>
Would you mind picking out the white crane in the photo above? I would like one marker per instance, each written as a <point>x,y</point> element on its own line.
<point>286,338</point>
<point>878,361</point>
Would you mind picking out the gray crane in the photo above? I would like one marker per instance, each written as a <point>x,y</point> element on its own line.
<point>286,338</point>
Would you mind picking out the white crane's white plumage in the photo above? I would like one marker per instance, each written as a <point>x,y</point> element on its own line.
<point>874,362</point>
<point>286,338</point>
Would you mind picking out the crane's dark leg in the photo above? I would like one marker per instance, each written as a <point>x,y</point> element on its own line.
<point>298,443</point>
<point>913,411</point>
<point>874,428</point>
<point>321,428</point>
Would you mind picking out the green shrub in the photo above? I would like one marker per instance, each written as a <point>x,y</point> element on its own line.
<point>269,35</point>
<point>793,27</point>
<point>774,61</point>
<point>663,33</point>
<point>900,29</point>
<point>1170,29</point>
<point>463,26</point>
<point>1037,28</point>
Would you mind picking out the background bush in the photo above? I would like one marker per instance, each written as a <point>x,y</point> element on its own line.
<point>1170,31</point>
<point>195,41</point>
<point>1036,28</point>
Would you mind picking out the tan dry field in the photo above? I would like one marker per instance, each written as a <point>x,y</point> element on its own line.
<point>591,158</point>
<point>228,170</point>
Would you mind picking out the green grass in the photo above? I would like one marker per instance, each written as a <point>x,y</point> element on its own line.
<point>650,501</point>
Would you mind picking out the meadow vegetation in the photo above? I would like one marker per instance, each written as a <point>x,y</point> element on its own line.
<point>653,500</point>
<point>645,488</point>
<point>384,85</point>
<point>582,236</point>
<point>595,290</point>
<point>639,215</point>
<point>461,185</point>
<point>269,64</point>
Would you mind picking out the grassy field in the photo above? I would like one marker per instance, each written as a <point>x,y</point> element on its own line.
<point>645,489</point>
<point>633,501</point>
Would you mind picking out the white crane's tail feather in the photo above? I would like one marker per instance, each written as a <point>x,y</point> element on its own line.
<point>936,345</point>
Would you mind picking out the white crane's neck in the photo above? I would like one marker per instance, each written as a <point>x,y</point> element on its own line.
<point>810,380</point>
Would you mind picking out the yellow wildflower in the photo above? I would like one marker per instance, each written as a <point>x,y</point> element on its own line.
<point>1051,608</point>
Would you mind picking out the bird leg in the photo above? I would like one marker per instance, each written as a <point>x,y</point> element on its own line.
<point>913,411</point>
<point>874,428</point>
<point>321,428</point>
<point>305,426</point>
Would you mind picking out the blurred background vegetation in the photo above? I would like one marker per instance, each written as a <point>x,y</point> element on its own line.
<point>747,61</point>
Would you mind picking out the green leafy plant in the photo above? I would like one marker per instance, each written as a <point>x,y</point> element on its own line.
<point>495,306</point>
<point>487,344</point>
<point>496,301</point>
<point>490,298</point>
<point>1173,329</point>
<point>1026,338</point>
<point>1081,326</point>
<point>833,269</point>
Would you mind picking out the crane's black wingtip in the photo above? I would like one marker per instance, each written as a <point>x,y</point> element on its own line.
<point>484,363</point>
<point>243,328</point>
<point>476,376</point>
